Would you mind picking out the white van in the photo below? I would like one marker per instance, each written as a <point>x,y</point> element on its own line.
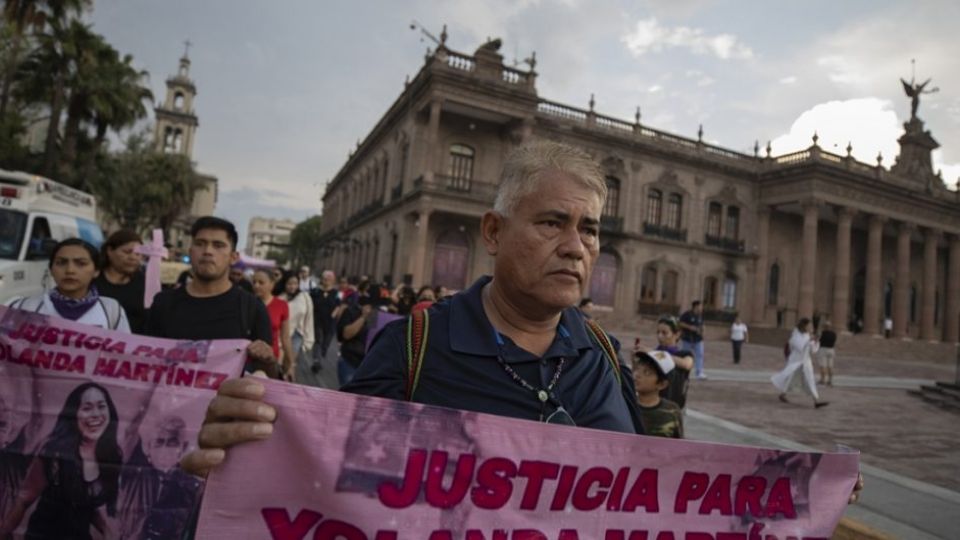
<point>35,214</point>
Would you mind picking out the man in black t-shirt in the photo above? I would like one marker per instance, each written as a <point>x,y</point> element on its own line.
<point>827,354</point>
<point>352,326</point>
<point>210,306</point>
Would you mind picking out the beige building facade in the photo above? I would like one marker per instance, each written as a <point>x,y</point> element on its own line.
<point>771,238</point>
<point>266,234</point>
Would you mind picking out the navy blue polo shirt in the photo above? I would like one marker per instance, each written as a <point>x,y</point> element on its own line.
<point>460,368</point>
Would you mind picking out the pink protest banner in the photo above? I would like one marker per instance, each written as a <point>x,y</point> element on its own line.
<point>93,423</point>
<point>349,467</point>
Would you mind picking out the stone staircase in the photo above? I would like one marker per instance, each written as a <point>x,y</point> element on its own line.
<point>944,394</point>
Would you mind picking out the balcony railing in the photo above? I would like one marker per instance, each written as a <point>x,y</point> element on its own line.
<point>646,307</point>
<point>727,315</point>
<point>611,224</point>
<point>726,244</point>
<point>667,233</point>
<point>481,191</point>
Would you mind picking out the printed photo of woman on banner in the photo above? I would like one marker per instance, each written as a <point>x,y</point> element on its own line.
<point>93,423</point>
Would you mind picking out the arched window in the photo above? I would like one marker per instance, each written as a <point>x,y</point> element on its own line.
<point>178,100</point>
<point>710,292</point>
<point>648,284</point>
<point>714,219</point>
<point>773,285</point>
<point>674,207</point>
<point>668,290</point>
<point>611,207</point>
<point>603,281</point>
<point>461,167</point>
<point>654,204</point>
<point>733,223</point>
<point>729,293</point>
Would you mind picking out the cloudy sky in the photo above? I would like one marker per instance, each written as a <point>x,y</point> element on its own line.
<point>286,88</point>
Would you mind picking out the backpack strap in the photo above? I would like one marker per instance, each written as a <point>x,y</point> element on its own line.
<point>113,315</point>
<point>28,303</point>
<point>603,340</point>
<point>418,331</point>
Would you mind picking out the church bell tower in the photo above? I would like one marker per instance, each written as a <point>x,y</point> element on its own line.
<point>176,121</point>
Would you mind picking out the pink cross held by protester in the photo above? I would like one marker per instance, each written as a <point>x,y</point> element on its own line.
<point>156,252</point>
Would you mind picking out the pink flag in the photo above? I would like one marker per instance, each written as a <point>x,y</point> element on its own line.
<point>340,466</point>
<point>156,252</point>
<point>141,400</point>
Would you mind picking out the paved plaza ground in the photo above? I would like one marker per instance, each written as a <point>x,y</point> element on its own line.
<point>893,430</point>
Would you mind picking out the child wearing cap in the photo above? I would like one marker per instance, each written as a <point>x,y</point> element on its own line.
<point>668,340</point>
<point>660,417</point>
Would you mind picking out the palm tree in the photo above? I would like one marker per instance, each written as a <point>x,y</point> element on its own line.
<point>22,15</point>
<point>49,70</point>
<point>114,101</point>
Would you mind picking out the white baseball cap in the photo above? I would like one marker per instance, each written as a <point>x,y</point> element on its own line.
<point>661,359</point>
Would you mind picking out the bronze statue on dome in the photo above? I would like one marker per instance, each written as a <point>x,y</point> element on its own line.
<point>914,91</point>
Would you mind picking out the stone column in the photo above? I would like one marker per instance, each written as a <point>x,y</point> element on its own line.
<point>951,319</point>
<point>418,251</point>
<point>927,315</point>
<point>761,270</point>
<point>433,135</point>
<point>901,285</point>
<point>808,261</point>
<point>873,293</point>
<point>841,276</point>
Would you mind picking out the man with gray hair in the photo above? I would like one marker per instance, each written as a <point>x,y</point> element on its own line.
<point>513,344</point>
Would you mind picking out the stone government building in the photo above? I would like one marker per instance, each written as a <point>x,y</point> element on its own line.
<point>773,238</point>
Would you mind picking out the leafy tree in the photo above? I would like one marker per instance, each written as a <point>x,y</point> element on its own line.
<point>105,92</point>
<point>304,241</point>
<point>141,188</point>
<point>23,15</point>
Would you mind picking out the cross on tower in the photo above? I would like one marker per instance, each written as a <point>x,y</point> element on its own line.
<point>186,47</point>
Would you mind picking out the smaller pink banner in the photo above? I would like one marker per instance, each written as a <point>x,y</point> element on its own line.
<point>347,467</point>
<point>93,423</point>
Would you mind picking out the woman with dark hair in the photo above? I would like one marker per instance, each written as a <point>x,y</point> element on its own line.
<point>121,275</point>
<point>802,346</point>
<point>279,313</point>
<point>300,325</point>
<point>74,264</point>
<point>404,298</point>
<point>74,478</point>
<point>425,298</point>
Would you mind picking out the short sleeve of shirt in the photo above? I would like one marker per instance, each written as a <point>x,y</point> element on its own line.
<point>350,314</point>
<point>261,324</point>
<point>383,370</point>
<point>154,325</point>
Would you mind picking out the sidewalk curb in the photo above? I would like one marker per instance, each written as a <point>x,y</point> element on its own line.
<point>851,529</point>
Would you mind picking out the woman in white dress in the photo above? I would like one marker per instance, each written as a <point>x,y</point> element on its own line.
<point>803,345</point>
